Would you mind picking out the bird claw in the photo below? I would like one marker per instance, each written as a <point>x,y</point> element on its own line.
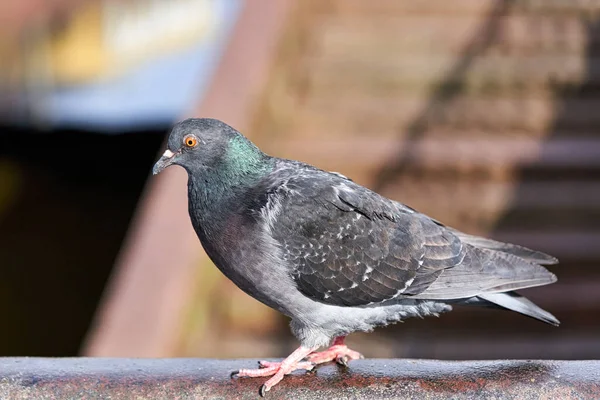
<point>342,360</point>
<point>313,370</point>
<point>267,364</point>
<point>262,392</point>
<point>277,370</point>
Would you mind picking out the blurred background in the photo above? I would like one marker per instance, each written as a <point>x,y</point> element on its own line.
<point>483,114</point>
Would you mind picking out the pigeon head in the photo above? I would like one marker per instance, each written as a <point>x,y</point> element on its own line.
<point>205,146</point>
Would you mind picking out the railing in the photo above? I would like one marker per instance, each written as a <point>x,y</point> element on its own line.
<point>118,378</point>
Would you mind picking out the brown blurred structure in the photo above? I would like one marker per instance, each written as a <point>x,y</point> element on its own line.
<point>481,114</point>
<point>164,289</point>
<point>20,16</point>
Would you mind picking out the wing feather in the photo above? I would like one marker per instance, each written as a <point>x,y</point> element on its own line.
<point>346,245</point>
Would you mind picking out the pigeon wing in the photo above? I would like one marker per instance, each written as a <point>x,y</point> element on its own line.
<point>346,245</point>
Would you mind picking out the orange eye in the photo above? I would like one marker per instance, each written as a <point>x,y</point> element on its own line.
<point>190,141</point>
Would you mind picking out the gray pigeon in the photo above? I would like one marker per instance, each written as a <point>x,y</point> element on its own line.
<point>332,255</point>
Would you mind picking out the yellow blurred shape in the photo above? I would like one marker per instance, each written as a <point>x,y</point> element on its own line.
<point>76,52</point>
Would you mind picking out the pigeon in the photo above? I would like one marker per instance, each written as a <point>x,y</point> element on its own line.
<point>332,255</point>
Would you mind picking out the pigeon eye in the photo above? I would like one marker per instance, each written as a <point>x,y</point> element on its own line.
<point>190,141</point>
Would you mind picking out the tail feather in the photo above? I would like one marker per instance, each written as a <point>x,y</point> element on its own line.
<point>486,271</point>
<point>515,302</point>
<point>522,252</point>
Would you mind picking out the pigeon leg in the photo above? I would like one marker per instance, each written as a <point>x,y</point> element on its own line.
<point>279,369</point>
<point>338,352</point>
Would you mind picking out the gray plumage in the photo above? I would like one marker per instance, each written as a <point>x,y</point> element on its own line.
<point>335,256</point>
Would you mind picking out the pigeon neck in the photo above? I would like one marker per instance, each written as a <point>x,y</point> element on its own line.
<point>243,162</point>
<point>242,167</point>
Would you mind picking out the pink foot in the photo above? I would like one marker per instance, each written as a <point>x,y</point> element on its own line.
<point>268,368</point>
<point>338,352</point>
<point>299,365</point>
<point>277,370</point>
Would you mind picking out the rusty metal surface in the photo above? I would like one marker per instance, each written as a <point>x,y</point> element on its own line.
<point>102,378</point>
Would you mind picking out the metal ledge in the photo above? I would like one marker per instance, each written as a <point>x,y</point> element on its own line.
<point>103,378</point>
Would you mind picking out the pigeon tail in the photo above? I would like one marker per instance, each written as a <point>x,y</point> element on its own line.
<point>530,255</point>
<point>486,271</point>
<point>515,302</point>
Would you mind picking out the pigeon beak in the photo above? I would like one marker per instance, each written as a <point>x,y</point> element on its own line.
<point>167,159</point>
